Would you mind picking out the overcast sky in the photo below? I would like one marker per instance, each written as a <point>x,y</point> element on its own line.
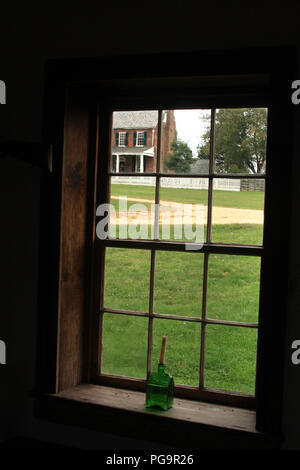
<point>190,126</point>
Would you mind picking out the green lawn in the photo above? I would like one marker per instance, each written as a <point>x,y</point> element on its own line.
<point>233,290</point>
<point>242,200</point>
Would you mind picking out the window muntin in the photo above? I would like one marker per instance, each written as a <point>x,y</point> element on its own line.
<point>207,316</point>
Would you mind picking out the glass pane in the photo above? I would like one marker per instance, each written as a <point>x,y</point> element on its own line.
<point>125,340</point>
<point>178,283</point>
<point>127,279</point>
<point>182,357</point>
<point>238,211</point>
<point>183,209</point>
<point>240,140</point>
<point>134,141</point>
<point>233,288</point>
<point>230,358</point>
<point>183,133</point>
<point>132,207</point>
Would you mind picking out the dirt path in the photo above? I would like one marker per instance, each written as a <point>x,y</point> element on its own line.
<point>174,210</point>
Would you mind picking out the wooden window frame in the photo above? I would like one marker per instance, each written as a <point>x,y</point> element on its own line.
<point>71,127</point>
<point>153,246</point>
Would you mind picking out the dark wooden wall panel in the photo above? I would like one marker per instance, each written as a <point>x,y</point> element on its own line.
<point>73,242</point>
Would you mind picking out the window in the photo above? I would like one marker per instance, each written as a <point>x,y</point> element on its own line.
<point>141,139</point>
<point>93,293</point>
<point>123,139</point>
<point>205,299</point>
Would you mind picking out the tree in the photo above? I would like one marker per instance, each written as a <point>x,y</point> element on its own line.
<point>240,141</point>
<point>180,157</point>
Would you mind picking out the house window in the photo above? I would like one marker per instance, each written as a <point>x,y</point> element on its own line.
<point>123,139</point>
<point>141,138</point>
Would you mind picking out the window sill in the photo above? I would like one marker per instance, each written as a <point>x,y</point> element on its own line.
<point>189,424</point>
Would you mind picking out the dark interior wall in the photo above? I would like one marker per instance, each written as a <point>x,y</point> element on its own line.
<point>19,207</point>
<point>28,37</point>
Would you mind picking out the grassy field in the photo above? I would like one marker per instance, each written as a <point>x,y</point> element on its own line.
<point>241,200</point>
<point>234,233</point>
<point>233,290</point>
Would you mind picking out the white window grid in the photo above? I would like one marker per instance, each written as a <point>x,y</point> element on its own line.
<point>140,139</point>
<point>122,139</point>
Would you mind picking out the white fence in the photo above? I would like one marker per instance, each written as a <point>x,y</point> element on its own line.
<point>186,183</point>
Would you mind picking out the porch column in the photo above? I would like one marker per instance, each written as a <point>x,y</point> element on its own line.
<point>142,163</point>
<point>117,163</point>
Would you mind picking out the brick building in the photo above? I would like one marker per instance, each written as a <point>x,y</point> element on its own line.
<point>134,140</point>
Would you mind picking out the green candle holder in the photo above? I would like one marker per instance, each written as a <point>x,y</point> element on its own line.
<point>160,385</point>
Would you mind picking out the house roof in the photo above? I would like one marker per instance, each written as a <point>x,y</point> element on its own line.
<point>135,119</point>
<point>200,166</point>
